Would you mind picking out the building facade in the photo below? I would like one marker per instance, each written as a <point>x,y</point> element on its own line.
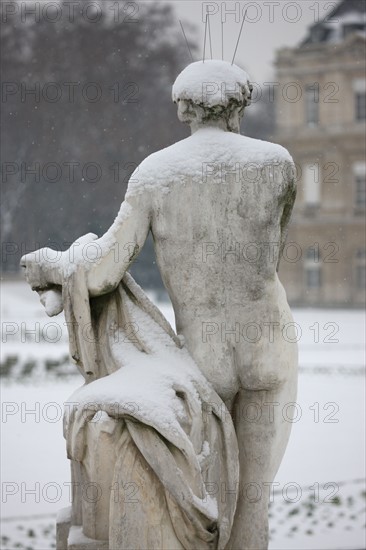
<point>321,120</point>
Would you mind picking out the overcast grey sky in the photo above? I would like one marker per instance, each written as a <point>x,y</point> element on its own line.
<point>269,25</point>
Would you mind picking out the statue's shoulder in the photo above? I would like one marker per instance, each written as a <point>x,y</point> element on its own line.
<point>158,169</point>
<point>271,160</point>
<point>264,151</point>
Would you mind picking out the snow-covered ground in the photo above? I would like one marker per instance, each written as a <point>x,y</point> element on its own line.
<point>319,493</point>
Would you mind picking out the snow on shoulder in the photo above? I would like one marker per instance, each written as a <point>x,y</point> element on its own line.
<point>185,160</point>
<point>211,82</point>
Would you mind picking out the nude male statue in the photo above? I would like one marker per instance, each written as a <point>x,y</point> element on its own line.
<point>218,206</point>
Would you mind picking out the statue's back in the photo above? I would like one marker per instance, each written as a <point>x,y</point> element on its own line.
<point>217,202</point>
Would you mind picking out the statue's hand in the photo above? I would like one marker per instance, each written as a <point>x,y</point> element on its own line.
<point>45,268</point>
<point>32,266</point>
<point>36,275</point>
<point>78,253</point>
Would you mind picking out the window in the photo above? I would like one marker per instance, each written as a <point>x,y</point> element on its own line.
<point>361,269</point>
<point>361,277</point>
<point>313,275</point>
<point>361,106</point>
<point>359,89</point>
<point>360,198</point>
<point>313,278</point>
<point>359,175</point>
<point>312,105</point>
<point>311,182</point>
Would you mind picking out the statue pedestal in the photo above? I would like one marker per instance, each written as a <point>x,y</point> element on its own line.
<point>78,541</point>
<point>71,537</point>
<point>90,513</point>
<point>63,524</point>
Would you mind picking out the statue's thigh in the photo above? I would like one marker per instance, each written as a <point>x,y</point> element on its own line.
<point>263,423</point>
<point>262,430</point>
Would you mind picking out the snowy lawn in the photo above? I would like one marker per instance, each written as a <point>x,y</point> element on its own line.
<point>319,493</point>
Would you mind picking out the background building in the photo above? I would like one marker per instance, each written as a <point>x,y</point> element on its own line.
<point>321,116</point>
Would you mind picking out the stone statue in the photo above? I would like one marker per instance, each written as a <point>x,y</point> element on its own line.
<point>181,434</point>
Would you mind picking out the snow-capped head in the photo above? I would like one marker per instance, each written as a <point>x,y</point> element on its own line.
<point>211,91</point>
<point>212,83</point>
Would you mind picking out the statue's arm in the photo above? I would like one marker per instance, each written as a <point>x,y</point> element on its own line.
<point>289,201</point>
<point>105,259</point>
<point>118,248</point>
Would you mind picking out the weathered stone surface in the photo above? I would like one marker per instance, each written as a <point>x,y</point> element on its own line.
<point>175,411</point>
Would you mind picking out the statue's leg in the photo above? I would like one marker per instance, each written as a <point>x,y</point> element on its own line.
<point>262,435</point>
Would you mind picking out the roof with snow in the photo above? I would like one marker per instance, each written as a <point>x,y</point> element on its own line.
<point>346,18</point>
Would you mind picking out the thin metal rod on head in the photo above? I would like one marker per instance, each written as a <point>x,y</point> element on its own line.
<point>222,40</point>
<point>237,44</point>
<point>189,49</point>
<point>209,32</point>
<point>204,44</point>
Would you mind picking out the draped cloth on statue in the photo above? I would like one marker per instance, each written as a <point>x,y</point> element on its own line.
<point>175,444</point>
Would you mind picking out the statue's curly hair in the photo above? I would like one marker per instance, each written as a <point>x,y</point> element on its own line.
<point>234,105</point>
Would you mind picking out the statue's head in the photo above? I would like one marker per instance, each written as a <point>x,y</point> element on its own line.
<point>212,92</point>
